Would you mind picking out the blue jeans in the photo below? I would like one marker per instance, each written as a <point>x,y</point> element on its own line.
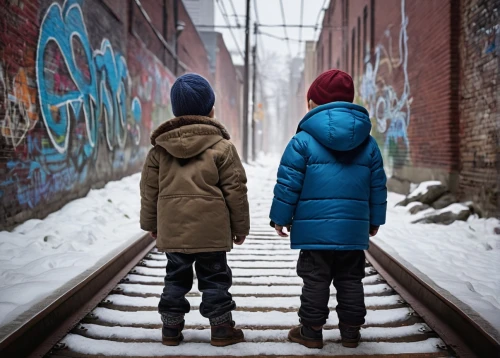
<point>214,280</point>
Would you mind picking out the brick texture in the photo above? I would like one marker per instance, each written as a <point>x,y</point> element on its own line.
<point>82,85</point>
<point>227,106</point>
<point>428,74</point>
<point>479,111</point>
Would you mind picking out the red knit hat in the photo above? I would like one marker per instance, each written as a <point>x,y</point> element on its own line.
<point>331,86</point>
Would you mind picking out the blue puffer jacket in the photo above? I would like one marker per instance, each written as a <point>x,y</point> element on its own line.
<point>331,182</point>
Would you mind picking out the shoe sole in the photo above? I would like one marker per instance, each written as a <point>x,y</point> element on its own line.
<point>174,341</point>
<point>350,344</point>
<point>224,343</point>
<point>305,343</point>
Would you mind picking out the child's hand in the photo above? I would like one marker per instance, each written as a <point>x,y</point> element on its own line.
<point>279,230</point>
<point>238,240</point>
<point>153,234</point>
<point>373,230</point>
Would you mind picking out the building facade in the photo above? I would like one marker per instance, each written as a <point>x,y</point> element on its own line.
<point>428,74</point>
<point>202,12</point>
<point>82,85</point>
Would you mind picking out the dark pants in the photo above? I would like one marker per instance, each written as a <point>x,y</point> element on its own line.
<point>318,269</point>
<point>214,280</point>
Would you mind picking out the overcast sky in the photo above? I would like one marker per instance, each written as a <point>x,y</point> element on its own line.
<point>274,54</point>
<point>269,12</point>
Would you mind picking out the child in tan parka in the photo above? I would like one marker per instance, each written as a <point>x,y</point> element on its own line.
<point>194,201</point>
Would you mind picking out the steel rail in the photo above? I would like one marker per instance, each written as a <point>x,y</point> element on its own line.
<point>37,336</point>
<point>460,327</point>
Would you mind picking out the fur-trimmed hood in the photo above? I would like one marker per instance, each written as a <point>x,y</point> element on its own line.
<point>188,136</point>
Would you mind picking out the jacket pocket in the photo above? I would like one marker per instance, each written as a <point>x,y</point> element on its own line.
<point>305,265</point>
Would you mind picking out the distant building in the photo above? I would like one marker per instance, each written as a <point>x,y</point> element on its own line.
<point>226,83</point>
<point>293,114</point>
<point>309,63</point>
<point>202,12</point>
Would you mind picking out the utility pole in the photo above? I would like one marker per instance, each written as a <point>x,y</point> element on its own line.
<point>246,84</point>
<point>254,87</point>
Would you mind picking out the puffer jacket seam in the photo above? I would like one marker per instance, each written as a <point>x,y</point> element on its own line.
<point>282,201</point>
<point>291,168</point>
<point>335,163</point>
<point>331,219</point>
<point>334,198</point>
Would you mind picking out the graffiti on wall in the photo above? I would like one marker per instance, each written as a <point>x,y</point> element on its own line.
<point>18,112</point>
<point>89,120</point>
<point>151,83</point>
<point>388,108</point>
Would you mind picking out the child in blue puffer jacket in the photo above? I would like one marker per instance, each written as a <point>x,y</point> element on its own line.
<point>331,189</point>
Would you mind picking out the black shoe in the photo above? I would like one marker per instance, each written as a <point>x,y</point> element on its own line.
<point>350,335</point>
<point>172,335</point>
<point>306,336</point>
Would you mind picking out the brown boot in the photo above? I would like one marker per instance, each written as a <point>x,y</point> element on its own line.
<point>172,335</point>
<point>171,331</point>
<point>350,335</point>
<point>225,334</point>
<point>306,336</point>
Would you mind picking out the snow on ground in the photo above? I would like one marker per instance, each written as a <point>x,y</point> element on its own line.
<point>249,318</point>
<point>268,335</point>
<point>463,258</point>
<point>86,345</point>
<point>40,256</point>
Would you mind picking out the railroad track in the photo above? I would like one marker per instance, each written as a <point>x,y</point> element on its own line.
<point>113,312</point>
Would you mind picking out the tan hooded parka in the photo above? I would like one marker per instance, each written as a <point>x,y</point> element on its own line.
<point>193,187</point>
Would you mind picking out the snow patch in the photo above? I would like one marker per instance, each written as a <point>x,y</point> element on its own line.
<point>463,258</point>
<point>423,187</point>
<point>85,345</point>
<point>40,256</point>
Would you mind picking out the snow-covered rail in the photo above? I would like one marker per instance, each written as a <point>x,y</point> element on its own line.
<point>403,317</point>
<point>126,322</point>
<point>37,336</point>
<point>457,324</point>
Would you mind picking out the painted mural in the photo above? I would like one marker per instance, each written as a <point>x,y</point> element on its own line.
<point>84,117</point>
<point>389,109</point>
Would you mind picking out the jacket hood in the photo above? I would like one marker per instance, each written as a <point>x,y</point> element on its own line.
<point>187,136</point>
<point>339,126</point>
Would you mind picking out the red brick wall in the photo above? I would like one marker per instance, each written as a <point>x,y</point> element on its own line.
<point>407,85</point>
<point>227,103</point>
<point>479,108</point>
<point>76,112</point>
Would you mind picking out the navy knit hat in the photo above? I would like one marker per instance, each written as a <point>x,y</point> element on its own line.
<point>191,94</point>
